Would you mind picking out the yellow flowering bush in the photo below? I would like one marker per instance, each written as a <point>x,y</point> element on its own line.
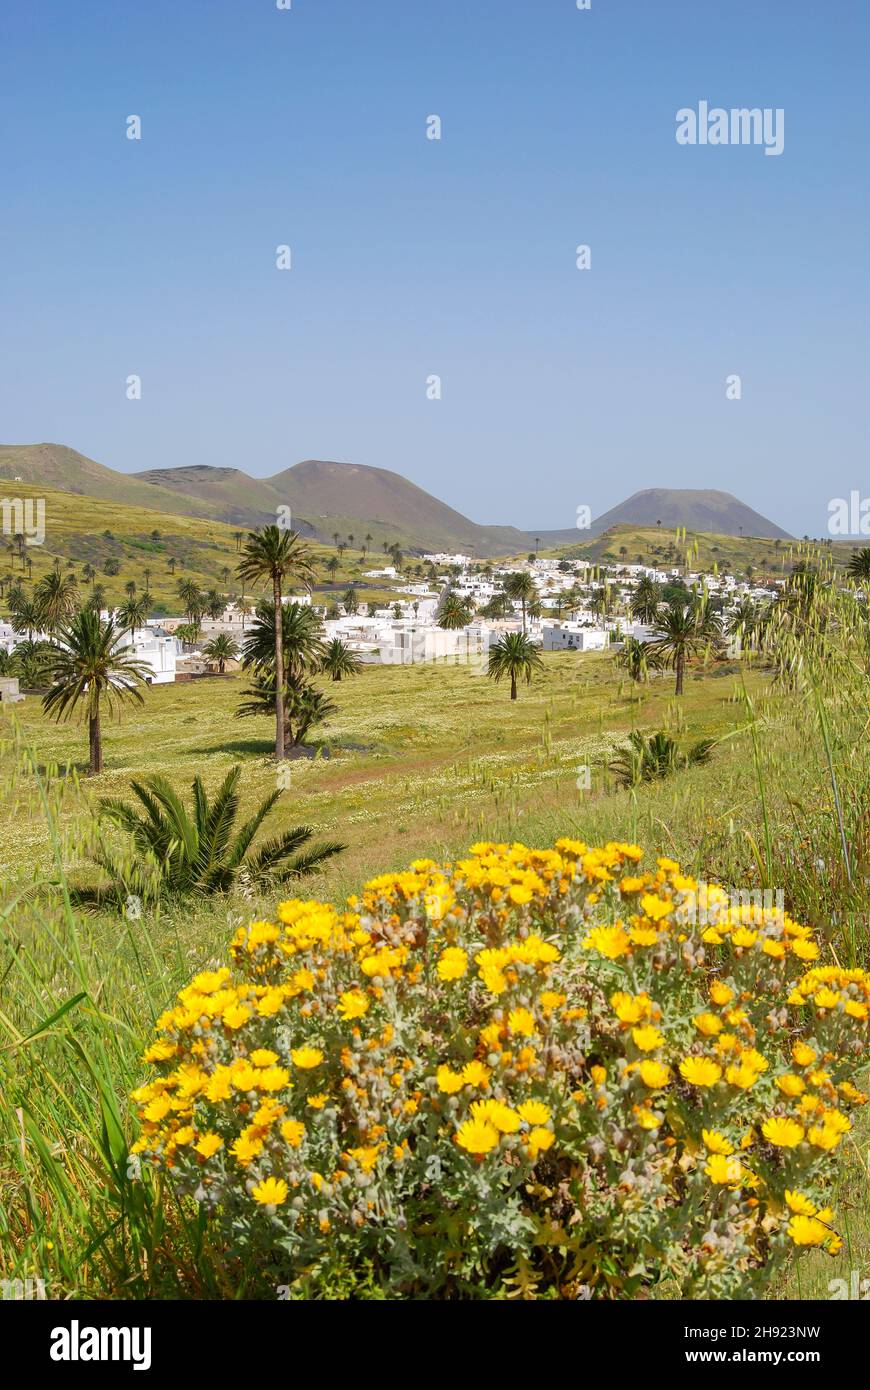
<point>529,1070</point>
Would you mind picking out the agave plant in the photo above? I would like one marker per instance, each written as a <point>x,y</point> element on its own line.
<point>200,850</point>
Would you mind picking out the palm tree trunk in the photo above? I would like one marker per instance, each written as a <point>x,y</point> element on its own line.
<point>680,663</point>
<point>524,617</point>
<point>513,687</point>
<point>279,671</point>
<point>96,745</point>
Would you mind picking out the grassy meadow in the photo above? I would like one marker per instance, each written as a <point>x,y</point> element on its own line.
<point>415,761</point>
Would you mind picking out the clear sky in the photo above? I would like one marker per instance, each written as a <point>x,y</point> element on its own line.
<point>413,257</point>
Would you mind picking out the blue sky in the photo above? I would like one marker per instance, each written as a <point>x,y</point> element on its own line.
<point>414,257</point>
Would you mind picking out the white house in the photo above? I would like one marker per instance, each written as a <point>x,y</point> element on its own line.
<point>157,649</point>
<point>443,559</point>
<point>572,637</point>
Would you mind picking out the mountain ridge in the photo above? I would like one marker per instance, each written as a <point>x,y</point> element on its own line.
<point>328,498</point>
<point>693,508</point>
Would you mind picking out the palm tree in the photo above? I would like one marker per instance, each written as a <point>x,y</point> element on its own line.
<point>454,612</point>
<point>600,600</point>
<point>303,652</point>
<point>304,706</point>
<point>340,661</point>
<point>56,599</point>
<point>301,637</point>
<point>134,613</point>
<point>25,614</point>
<point>97,598</point>
<point>742,622</point>
<point>221,649</point>
<point>214,604</point>
<point>28,662</point>
<point>87,667</point>
<point>197,851</point>
<point>276,555</point>
<point>193,600</point>
<point>636,658</point>
<point>521,586</point>
<point>238,537</point>
<point>130,588</point>
<point>332,565</point>
<point>858,568</point>
<point>349,599</point>
<point>514,656</point>
<point>682,631</point>
<point>646,599</point>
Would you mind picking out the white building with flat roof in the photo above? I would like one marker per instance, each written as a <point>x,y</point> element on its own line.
<point>158,649</point>
<point>442,559</point>
<point>573,637</point>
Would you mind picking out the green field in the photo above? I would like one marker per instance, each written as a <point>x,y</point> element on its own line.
<point>416,761</point>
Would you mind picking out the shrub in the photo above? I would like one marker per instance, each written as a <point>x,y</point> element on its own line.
<point>173,850</point>
<point>652,758</point>
<point>519,1074</point>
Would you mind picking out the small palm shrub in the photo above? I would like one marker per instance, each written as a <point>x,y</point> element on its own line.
<point>529,1071</point>
<point>176,850</point>
<point>651,758</point>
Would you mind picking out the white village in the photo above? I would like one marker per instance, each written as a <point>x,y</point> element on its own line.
<point>453,614</point>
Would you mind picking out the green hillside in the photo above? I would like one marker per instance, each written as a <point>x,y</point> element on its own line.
<point>55,467</point>
<point>230,494</point>
<point>153,549</point>
<point>651,545</point>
